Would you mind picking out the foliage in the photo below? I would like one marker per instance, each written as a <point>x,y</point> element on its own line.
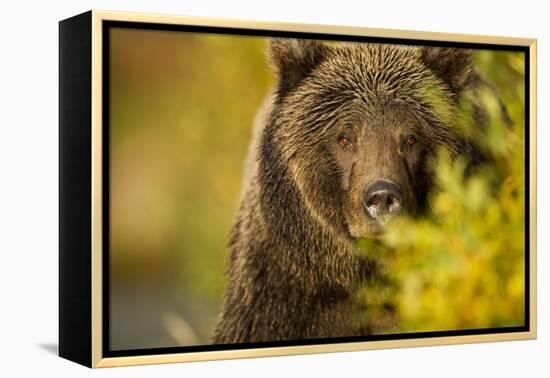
<point>461,266</point>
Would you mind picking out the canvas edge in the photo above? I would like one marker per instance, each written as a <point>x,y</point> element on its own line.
<point>74,335</point>
<point>533,186</point>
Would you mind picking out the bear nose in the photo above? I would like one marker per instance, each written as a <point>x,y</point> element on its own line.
<point>383,199</point>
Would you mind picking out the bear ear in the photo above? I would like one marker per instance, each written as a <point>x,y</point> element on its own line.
<point>453,66</point>
<point>293,59</point>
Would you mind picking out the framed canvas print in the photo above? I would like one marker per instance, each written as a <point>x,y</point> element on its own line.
<point>235,189</point>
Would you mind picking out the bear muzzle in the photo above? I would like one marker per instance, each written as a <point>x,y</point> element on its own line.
<point>383,200</point>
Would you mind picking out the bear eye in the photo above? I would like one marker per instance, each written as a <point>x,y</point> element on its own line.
<point>410,140</point>
<point>344,141</point>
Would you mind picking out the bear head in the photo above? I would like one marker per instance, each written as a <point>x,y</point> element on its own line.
<point>357,125</point>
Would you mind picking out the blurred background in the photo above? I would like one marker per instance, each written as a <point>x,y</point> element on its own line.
<point>182,109</point>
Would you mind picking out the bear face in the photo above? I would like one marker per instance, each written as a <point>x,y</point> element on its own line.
<point>359,123</point>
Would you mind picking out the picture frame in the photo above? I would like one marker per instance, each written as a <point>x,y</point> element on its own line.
<point>85,273</point>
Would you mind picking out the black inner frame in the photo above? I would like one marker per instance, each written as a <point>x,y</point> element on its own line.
<point>107,25</point>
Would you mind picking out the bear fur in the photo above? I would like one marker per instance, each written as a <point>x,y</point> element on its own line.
<point>335,121</point>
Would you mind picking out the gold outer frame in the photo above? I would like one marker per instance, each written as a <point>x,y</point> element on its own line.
<point>97,19</point>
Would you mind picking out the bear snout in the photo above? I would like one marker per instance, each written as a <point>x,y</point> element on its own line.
<point>382,200</point>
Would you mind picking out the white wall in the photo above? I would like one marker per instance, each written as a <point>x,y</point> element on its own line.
<point>28,200</point>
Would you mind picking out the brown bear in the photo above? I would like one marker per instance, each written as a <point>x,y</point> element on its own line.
<point>341,145</point>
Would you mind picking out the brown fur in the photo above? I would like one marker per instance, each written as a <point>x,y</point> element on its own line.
<point>292,267</point>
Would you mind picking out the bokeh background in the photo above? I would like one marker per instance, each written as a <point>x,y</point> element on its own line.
<point>182,108</point>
